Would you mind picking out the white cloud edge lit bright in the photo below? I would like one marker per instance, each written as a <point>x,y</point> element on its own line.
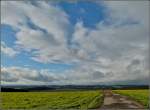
<point>116,46</point>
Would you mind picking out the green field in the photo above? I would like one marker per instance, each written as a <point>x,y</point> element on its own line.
<point>51,100</point>
<point>141,96</point>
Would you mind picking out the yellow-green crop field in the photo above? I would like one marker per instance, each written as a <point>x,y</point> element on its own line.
<point>51,100</point>
<point>141,96</point>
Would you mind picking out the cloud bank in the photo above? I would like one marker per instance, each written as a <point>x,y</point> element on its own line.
<point>115,50</point>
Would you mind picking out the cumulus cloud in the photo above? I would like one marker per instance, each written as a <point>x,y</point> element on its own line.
<point>115,50</point>
<point>15,74</point>
<point>118,39</point>
<point>8,50</point>
<point>11,15</point>
<point>48,33</point>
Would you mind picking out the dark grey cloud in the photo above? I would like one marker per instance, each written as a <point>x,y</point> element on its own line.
<point>134,63</point>
<point>98,75</point>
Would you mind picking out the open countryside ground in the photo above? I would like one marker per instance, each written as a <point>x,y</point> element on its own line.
<point>116,100</point>
<point>51,100</point>
<point>74,99</point>
<point>141,96</point>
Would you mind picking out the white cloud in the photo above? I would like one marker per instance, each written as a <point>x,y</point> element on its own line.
<point>116,44</point>
<point>11,15</point>
<point>8,50</point>
<point>15,74</point>
<point>48,40</point>
<point>108,50</point>
<point>128,11</point>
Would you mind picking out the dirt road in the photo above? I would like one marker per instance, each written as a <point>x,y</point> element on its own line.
<point>116,102</point>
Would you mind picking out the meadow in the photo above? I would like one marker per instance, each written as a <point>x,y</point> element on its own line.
<point>52,100</point>
<point>141,96</point>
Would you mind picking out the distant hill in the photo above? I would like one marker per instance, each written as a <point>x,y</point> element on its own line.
<point>28,88</point>
<point>12,90</point>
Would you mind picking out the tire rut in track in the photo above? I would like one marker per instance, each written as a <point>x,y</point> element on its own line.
<point>117,101</point>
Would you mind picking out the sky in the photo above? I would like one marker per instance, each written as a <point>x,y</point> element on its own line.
<point>74,43</point>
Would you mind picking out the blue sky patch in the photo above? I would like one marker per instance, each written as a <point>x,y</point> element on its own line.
<point>90,13</point>
<point>8,35</point>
